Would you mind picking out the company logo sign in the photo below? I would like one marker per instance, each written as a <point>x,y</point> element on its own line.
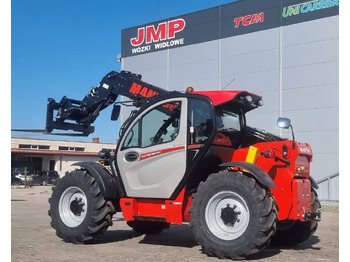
<point>308,6</point>
<point>305,150</point>
<point>143,91</point>
<point>249,19</point>
<point>160,36</point>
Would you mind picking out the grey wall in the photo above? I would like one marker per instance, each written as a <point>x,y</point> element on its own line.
<point>293,66</point>
<point>310,94</point>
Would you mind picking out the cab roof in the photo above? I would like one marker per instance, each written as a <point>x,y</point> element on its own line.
<point>241,98</point>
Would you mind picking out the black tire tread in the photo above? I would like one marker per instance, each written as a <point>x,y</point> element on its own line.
<point>267,213</point>
<point>101,214</point>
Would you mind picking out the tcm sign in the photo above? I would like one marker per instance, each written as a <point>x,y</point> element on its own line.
<point>164,31</point>
<point>249,19</point>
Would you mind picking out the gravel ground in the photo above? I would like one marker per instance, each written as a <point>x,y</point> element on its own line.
<point>33,239</point>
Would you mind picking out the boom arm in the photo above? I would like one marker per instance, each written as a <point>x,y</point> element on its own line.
<point>76,115</point>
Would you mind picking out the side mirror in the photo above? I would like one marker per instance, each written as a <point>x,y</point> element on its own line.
<point>283,122</point>
<point>115,112</point>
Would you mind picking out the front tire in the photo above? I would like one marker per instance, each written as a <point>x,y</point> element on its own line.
<point>79,213</point>
<point>232,215</point>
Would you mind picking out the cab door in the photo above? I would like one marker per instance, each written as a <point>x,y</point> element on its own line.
<point>152,154</point>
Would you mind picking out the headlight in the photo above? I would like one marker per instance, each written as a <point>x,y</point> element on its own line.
<point>248,98</point>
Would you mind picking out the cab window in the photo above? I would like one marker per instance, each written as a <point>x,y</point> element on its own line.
<point>228,121</point>
<point>161,125</point>
<point>158,126</point>
<point>132,138</point>
<point>200,121</point>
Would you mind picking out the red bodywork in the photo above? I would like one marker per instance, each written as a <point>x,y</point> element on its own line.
<point>220,97</point>
<point>293,193</point>
<point>293,188</point>
<point>171,211</point>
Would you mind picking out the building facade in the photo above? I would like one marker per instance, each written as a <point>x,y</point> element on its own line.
<point>287,51</point>
<point>41,154</point>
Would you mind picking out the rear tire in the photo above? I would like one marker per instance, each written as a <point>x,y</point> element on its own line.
<point>232,215</point>
<point>291,233</point>
<point>148,227</point>
<point>79,213</point>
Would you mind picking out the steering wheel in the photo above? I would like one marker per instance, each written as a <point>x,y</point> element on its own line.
<point>159,133</point>
<point>163,129</point>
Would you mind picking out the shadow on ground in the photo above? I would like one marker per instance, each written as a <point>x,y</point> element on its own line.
<point>181,236</point>
<point>114,236</point>
<point>275,249</point>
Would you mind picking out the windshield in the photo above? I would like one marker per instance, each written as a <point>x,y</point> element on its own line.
<point>228,121</point>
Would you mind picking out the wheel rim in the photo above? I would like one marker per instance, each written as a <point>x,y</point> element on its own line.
<point>73,206</point>
<point>227,215</point>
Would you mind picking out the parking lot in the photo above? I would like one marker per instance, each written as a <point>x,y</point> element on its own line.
<point>33,239</point>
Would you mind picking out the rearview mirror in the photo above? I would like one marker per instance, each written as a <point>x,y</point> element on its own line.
<point>115,112</point>
<point>283,122</point>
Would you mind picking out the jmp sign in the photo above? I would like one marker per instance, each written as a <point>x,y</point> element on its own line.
<point>164,31</point>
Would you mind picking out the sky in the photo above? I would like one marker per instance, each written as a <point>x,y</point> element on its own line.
<point>65,47</point>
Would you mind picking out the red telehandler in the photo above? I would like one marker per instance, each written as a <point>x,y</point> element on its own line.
<point>185,158</point>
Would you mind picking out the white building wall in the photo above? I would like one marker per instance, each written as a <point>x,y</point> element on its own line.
<point>64,163</point>
<point>63,159</point>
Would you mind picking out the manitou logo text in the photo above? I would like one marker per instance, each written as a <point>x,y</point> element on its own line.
<point>164,31</point>
<point>249,19</point>
<point>137,89</point>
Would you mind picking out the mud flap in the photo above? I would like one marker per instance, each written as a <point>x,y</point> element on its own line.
<point>103,177</point>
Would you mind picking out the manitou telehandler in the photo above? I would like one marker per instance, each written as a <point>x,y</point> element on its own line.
<point>185,157</point>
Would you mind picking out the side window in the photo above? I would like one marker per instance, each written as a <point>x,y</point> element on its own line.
<point>228,121</point>
<point>200,121</point>
<point>161,125</point>
<point>132,139</point>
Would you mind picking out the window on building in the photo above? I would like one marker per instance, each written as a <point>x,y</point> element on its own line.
<point>44,147</point>
<point>41,147</point>
<point>52,164</point>
<point>24,146</point>
<point>66,148</point>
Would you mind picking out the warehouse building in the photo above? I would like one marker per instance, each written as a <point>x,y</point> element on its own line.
<point>59,155</point>
<point>287,51</point>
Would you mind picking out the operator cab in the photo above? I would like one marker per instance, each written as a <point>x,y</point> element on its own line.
<point>174,136</point>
